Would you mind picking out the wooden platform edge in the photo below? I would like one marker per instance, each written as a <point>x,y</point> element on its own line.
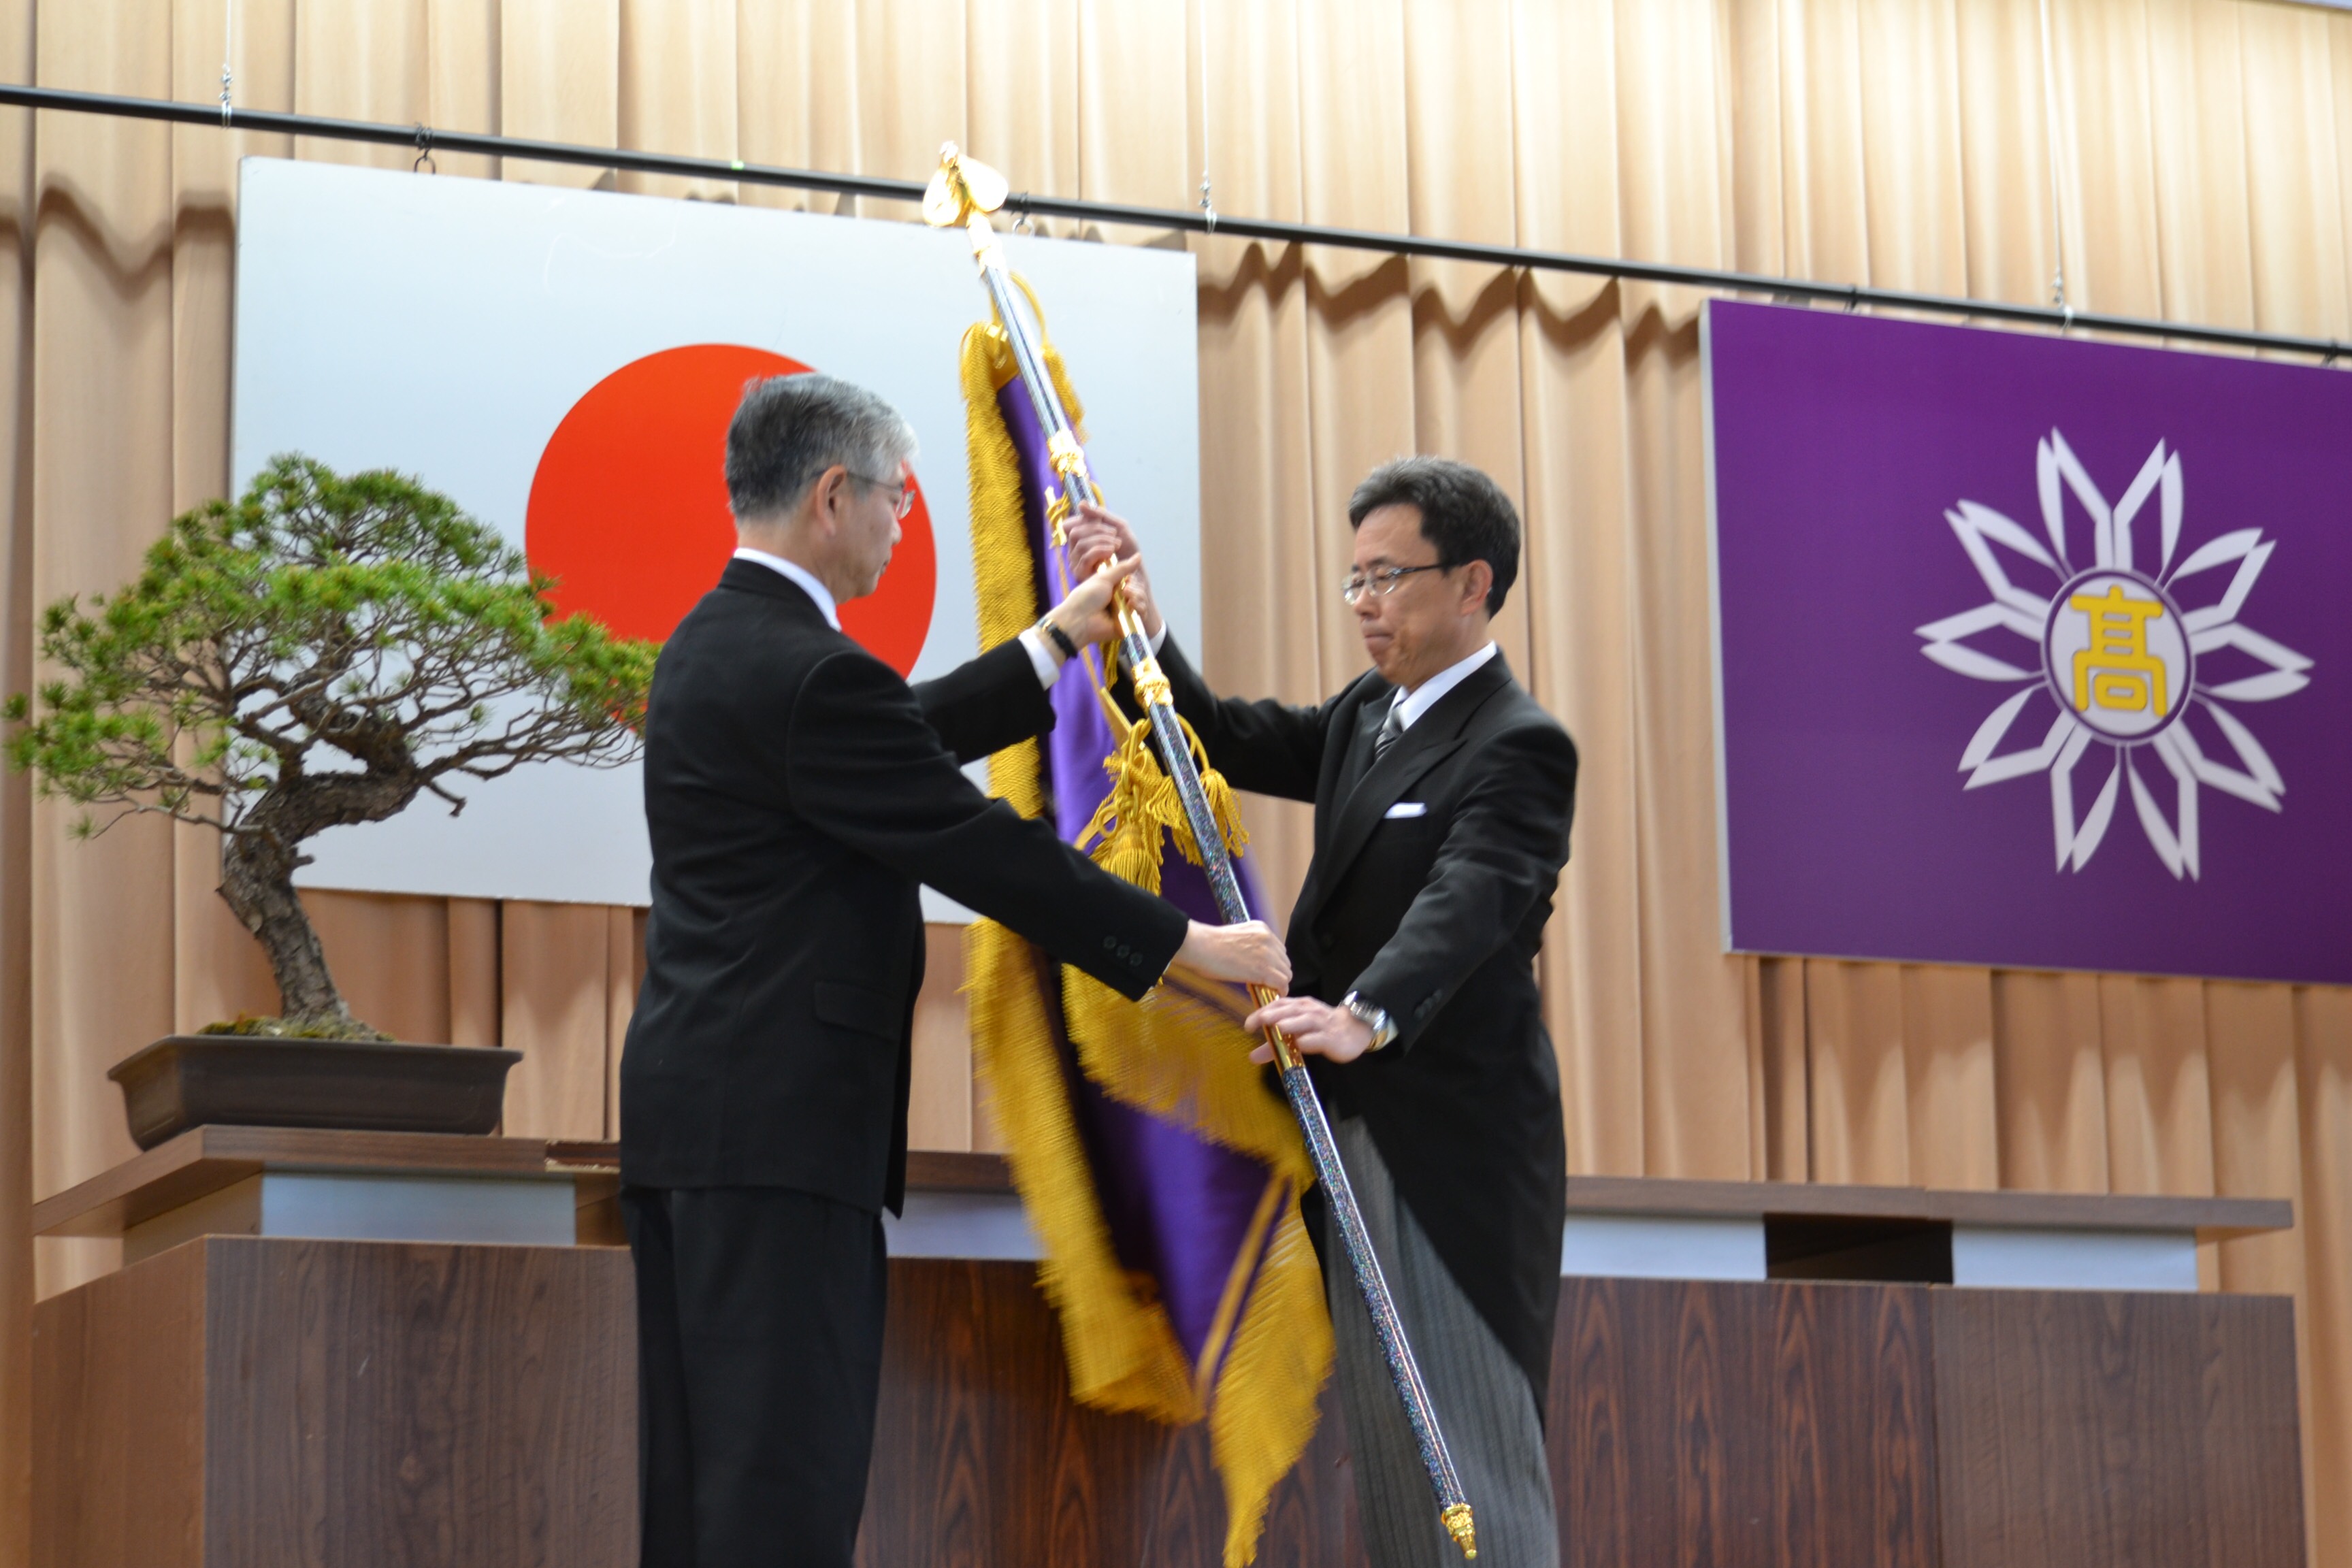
<point>2210,1217</point>
<point>927,1170</point>
<point>204,1159</point>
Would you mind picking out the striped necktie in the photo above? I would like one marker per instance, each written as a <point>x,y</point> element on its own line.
<point>1391,728</point>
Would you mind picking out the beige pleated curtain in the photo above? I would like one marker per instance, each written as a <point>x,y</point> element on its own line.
<point>2205,157</point>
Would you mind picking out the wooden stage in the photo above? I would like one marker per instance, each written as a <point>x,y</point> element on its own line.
<point>1691,1423</point>
<point>259,1399</point>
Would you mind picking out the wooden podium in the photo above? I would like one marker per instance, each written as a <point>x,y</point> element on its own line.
<point>275,1396</point>
<point>1744,1374</point>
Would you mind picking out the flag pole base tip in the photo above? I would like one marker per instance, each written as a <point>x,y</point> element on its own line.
<point>1459,1525</point>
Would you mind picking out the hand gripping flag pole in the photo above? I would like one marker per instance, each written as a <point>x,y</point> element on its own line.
<point>962,194</point>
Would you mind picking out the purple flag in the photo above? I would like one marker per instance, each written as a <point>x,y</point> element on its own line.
<point>1180,1208</point>
<point>2030,651</point>
<point>1162,1173</point>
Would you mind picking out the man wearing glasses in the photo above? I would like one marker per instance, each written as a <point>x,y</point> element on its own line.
<point>797,792</point>
<point>1443,794</point>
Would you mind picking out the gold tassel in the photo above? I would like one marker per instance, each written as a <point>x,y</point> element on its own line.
<point>1126,821</point>
<point>1264,1416</point>
<point>1143,800</point>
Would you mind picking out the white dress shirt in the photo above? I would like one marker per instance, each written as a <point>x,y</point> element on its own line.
<point>1032,642</point>
<point>1411,705</point>
<point>806,579</point>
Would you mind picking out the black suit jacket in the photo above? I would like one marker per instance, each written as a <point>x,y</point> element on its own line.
<point>1434,916</point>
<point>797,792</point>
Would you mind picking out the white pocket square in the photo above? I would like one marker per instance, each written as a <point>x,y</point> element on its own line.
<point>1407,808</point>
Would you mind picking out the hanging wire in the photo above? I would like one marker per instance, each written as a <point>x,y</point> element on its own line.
<point>1710,280</point>
<point>229,53</point>
<point>1208,198</point>
<point>2057,219</point>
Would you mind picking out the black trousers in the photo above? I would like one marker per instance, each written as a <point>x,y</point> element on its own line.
<point>759,1362</point>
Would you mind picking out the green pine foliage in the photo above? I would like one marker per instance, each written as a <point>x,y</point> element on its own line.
<point>316,654</point>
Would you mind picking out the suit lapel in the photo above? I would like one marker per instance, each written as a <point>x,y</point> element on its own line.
<point>1368,787</point>
<point>1363,745</point>
<point>1341,773</point>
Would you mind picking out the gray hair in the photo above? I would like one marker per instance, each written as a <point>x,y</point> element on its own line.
<point>788,429</point>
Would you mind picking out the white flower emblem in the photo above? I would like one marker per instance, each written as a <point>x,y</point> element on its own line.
<point>2118,652</point>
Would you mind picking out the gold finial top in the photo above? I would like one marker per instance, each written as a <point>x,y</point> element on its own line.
<point>961,187</point>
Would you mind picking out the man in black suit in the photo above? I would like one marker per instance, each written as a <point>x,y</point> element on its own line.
<point>797,792</point>
<point>1443,794</point>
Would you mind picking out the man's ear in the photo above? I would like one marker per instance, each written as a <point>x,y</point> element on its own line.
<point>1477,581</point>
<point>825,496</point>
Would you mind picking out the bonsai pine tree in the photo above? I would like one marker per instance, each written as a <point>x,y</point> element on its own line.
<point>319,653</point>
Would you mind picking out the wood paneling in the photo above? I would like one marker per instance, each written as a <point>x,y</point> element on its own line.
<point>1720,1423</point>
<point>242,1402</point>
<point>943,1170</point>
<point>1852,1424</point>
<point>2083,1429</point>
<point>1651,1444</point>
<point>980,1457</point>
<point>408,1402</point>
<point>250,1401</point>
<point>118,1419</point>
<point>1713,1425</point>
<point>2251,1451</point>
<point>939,1110</point>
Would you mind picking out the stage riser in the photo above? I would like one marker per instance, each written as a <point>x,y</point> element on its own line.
<point>271,1401</point>
<point>1697,1425</point>
<point>251,1402</point>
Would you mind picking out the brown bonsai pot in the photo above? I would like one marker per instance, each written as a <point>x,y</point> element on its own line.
<point>185,1080</point>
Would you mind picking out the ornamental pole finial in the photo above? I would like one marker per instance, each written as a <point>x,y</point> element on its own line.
<point>961,188</point>
<point>1459,1526</point>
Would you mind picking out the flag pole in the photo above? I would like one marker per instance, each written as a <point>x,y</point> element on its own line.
<point>961,195</point>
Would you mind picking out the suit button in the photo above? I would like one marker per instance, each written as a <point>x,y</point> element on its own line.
<point>1109,942</point>
<point>1137,961</point>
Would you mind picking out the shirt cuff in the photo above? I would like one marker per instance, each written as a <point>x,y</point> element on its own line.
<point>1040,659</point>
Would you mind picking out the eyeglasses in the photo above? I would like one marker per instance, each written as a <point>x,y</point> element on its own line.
<point>905,501</point>
<point>1383,583</point>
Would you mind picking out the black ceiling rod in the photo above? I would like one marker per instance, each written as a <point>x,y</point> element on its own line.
<point>1709,279</point>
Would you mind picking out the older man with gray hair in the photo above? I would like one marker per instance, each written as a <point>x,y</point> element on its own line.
<point>797,792</point>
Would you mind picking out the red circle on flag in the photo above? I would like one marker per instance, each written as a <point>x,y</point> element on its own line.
<point>628,508</point>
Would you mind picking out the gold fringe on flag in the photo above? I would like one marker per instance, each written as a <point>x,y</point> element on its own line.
<point>1180,1054</point>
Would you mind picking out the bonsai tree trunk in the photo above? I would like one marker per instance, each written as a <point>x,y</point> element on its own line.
<point>258,882</point>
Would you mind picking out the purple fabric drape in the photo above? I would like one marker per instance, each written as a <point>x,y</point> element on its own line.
<point>1179,1208</point>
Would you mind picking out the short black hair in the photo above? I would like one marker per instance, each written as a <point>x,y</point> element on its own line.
<point>1463,513</point>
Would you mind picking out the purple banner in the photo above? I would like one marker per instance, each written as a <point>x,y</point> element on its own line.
<point>2030,652</point>
<point>1180,1207</point>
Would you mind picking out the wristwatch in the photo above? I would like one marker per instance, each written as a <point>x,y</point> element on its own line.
<point>1061,639</point>
<point>1372,1016</point>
